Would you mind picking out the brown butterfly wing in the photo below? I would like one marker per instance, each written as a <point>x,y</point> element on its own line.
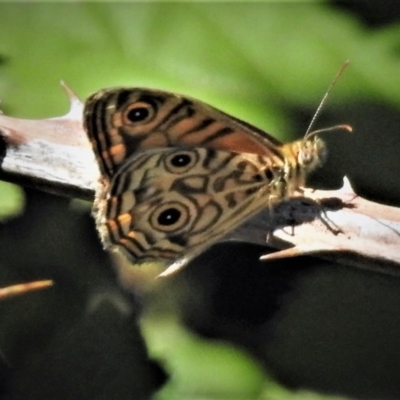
<point>166,203</point>
<point>123,121</point>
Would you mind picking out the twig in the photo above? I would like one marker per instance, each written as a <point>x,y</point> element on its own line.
<point>336,225</point>
<point>51,154</point>
<point>22,288</point>
<point>55,155</point>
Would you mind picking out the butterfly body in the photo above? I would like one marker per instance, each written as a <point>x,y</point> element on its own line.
<point>178,174</point>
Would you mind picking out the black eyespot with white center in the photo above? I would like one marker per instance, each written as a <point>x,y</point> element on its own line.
<point>139,112</point>
<point>170,217</point>
<point>181,161</point>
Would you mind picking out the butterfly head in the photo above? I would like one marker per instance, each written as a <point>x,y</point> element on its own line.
<point>311,151</point>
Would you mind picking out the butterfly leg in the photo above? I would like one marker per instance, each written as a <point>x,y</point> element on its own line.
<point>271,224</point>
<point>328,223</point>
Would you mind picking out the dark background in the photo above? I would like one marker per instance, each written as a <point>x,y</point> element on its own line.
<point>309,324</point>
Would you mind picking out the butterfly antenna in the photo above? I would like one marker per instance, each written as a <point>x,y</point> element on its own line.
<point>322,102</point>
<point>347,128</point>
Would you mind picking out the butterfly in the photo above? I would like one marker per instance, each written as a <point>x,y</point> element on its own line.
<point>178,174</point>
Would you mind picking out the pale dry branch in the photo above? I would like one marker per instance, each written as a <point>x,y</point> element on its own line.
<point>52,154</point>
<point>55,155</point>
<point>22,288</point>
<point>336,225</point>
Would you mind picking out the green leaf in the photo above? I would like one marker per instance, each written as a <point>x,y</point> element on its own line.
<point>201,369</point>
<point>12,200</point>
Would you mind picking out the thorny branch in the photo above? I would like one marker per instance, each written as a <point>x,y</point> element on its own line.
<point>55,155</point>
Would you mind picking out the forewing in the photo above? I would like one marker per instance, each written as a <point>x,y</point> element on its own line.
<point>122,121</point>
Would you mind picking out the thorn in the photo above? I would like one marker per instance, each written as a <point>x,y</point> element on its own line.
<point>174,267</point>
<point>347,188</point>
<point>76,105</point>
<point>70,93</point>
<point>296,251</point>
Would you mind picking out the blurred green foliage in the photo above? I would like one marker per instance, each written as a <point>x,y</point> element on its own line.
<point>225,372</point>
<point>253,60</point>
<point>11,200</point>
<point>202,369</point>
<point>247,58</point>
